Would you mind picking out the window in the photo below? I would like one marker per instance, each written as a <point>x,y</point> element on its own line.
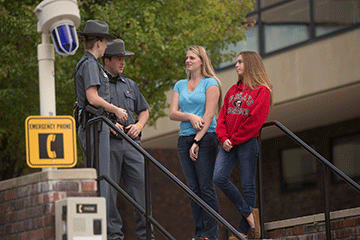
<point>346,154</point>
<point>286,25</point>
<point>280,36</point>
<point>333,15</point>
<point>298,169</point>
<point>282,24</point>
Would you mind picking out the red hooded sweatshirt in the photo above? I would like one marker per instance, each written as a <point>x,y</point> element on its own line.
<point>243,113</point>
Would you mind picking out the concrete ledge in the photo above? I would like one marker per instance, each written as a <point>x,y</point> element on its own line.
<point>63,174</point>
<point>311,219</point>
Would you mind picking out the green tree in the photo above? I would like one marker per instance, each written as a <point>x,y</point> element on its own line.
<point>157,31</point>
<point>19,91</point>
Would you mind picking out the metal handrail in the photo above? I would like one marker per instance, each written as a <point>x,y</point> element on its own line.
<point>168,174</point>
<point>314,153</point>
<point>135,204</point>
<point>322,160</point>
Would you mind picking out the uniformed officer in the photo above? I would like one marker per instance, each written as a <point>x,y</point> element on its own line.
<point>125,161</point>
<point>92,87</point>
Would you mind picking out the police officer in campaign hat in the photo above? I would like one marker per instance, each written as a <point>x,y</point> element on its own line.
<point>92,89</point>
<point>125,162</point>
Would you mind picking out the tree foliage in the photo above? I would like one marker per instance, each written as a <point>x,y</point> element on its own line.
<point>157,31</point>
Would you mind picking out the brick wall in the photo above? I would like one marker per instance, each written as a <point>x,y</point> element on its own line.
<point>344,225</point>
<point>27,204</point>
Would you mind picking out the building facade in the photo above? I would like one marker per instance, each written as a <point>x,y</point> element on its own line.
<point>311,51</point>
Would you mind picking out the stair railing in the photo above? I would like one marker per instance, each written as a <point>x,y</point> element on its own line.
<point>326,165</point>
<point>93,123</point>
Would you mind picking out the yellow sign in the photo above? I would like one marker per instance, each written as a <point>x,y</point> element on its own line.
<point>50,141</point>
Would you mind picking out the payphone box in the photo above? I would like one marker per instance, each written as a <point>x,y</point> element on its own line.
<point>80,218</point>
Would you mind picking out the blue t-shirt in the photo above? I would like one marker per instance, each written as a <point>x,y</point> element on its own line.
<point>194,102</point>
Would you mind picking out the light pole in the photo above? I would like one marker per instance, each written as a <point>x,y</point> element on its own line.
<point>58,19</point>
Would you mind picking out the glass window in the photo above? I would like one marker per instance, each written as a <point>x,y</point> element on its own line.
<point>289,23</point>
<point>346,153</point>
<point>298,169</point>
<point>331,15</point>
<point>286,25</point>
<point>251,43</point>
<point>281,36</point>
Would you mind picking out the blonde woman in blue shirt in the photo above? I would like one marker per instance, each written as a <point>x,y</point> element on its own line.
<point>194,103</point>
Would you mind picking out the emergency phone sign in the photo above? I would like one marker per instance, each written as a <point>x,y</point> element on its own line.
<point>50,141</point>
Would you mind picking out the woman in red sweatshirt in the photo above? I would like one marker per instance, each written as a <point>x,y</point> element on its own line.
<point>245,110</point>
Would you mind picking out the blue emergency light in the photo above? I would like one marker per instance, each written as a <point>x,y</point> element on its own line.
<point>64,37</point>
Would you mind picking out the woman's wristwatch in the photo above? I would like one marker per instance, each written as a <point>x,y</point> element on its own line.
<point>197,142</point>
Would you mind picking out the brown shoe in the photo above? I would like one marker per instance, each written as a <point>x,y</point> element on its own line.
<point>232,237</point>
<point>256,231</point>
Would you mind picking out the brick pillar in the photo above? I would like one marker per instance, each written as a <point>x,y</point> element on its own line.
<point>27,203</point>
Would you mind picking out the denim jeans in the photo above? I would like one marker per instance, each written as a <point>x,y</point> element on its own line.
<point>199,176</point>
<point>246,155</point>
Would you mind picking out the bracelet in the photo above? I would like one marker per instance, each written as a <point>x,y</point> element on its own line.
<point>197,142</point>
<point>140,125</point>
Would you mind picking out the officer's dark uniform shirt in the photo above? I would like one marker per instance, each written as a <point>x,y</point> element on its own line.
<point>126,94</point>
<point>90,73</point>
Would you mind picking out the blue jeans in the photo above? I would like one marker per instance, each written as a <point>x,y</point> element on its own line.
<point>199,176</point>
<point>246,155</point>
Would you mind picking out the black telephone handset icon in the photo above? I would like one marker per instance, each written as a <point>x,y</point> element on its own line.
<point>50,139</point>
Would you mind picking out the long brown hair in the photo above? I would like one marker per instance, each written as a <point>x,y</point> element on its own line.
<point>254,72</point>
<point>206,68</point>
<point>89,41</point>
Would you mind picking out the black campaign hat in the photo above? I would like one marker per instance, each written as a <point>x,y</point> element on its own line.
<point>117,48</point>
<point>97,28</point>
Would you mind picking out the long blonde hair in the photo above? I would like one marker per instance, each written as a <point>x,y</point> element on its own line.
<point>206,68</point>
<point>254,72</point>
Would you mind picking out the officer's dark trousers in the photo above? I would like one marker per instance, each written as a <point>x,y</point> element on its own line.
<point>128,164</point>
<point>104,160</point>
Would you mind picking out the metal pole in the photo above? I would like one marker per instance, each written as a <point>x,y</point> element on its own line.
<point>147,199</point>
<point>326,202</point>
<point>88,146</point>
<point>46,58</point>
<point>49,12</point>
<point>226,234</point>
<point>261,198</point>
<point>95,157</point>
<point>96,148</point>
